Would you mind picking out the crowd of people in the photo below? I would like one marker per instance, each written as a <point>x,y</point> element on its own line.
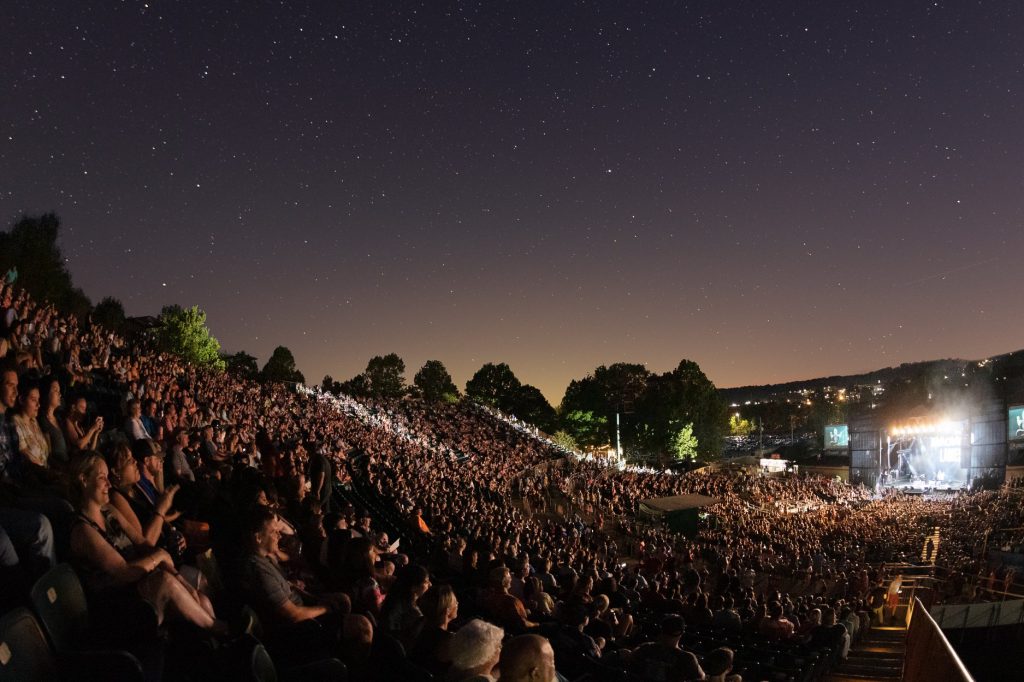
<point>223,509</point>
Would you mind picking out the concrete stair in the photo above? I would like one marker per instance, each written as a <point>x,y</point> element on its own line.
<point>877,657</point>
<point>934,537</point>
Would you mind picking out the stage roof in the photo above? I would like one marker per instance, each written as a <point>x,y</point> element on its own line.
<point>664,505</point>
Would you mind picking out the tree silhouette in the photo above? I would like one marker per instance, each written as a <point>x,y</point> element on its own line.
<point>31,245</point>
<point>242,364</point>
<point>435,383</point>
<point>609,389</point>
<point>281,367</point>
<point>530,405</point>
<point>494,385</point>
<point>673,400</point>
<point>109,313</point>
<point>384,376</point>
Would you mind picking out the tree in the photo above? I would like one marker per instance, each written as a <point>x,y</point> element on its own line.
<point>281,367</point>
<point>183,331</point>
<point>494,385</point>
<point>329,385</point>
<point>565,440</point>
<point>673,400</point>
<point>356,386</point>
<point>622,382</point>
<point>242,364</point>
<point>31,245</point>
<point>685,444</point>
<point>739,426</point>
<point>384,376</point>
<point>585,395</point>
<point>658,418</point>
<point>588,429</point>
<point>435,383</point>
<point>609,389</point>
<point>530,405</point>
<point>109,313</point>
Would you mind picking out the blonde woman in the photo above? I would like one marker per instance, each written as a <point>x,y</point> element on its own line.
<point>116,562</point>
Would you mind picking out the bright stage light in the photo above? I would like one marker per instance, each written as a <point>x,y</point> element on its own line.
<point>915,428</point>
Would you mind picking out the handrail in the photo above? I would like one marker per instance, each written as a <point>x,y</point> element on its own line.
<point>929,653</point>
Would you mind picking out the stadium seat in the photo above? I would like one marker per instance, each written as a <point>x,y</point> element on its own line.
<point>24,655</point>
<point>325,670</point>
<point>60,603</point>
<point>262,666</point>
<point>305,639</point>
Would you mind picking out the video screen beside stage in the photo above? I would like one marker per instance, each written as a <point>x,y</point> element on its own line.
<point>837,437</point>
<point>1015,422</point>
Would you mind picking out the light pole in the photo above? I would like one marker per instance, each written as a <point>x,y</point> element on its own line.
<point>618,438</point>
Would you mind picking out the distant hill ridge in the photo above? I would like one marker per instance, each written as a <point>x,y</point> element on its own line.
<point>1006,363</point>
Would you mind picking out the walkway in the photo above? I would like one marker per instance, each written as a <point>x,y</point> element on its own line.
<point>877,656</point>
<point>929,558</point>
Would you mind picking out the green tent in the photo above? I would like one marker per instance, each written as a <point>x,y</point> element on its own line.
<point>678,511</point>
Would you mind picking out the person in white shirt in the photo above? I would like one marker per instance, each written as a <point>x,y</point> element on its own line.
<point>133,426</point>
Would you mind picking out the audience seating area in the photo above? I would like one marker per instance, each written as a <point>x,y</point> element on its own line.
<point>162,521</point>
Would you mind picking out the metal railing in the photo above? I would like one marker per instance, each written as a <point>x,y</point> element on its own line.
<point>929,654</point>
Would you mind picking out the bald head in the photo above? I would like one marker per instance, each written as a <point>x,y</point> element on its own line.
<point>527,658</point>
<point>357,630</point>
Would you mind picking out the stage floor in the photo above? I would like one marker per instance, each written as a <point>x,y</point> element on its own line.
<point>920,486</point>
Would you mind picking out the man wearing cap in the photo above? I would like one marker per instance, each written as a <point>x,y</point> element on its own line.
<point>151,463</point>
<point>663,660</point>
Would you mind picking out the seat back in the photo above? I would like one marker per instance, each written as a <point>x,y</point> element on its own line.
<point>24,654</point>
<point>263,669</point>
<point>59,600</point>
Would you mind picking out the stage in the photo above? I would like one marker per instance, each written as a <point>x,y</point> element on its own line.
<point>921,486</point>
<point>933,448</point>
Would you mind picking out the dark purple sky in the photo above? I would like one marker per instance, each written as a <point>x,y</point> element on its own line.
<point>775,190</point>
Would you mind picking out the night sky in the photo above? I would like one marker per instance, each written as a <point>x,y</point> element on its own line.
<point>774,190</point>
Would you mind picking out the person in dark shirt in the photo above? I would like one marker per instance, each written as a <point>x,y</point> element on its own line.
<point>500,606</point>
<point>150,421</point>
<point>321,477</point>
<point>776,626</point>
<point>208,448</point>
<point>440,607</point>
<point>151,463</point>
<point>663,660</point>
<point>830,635</point>
<point>571,639</point>
<point>718,666</point>
<point>726,617</point>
